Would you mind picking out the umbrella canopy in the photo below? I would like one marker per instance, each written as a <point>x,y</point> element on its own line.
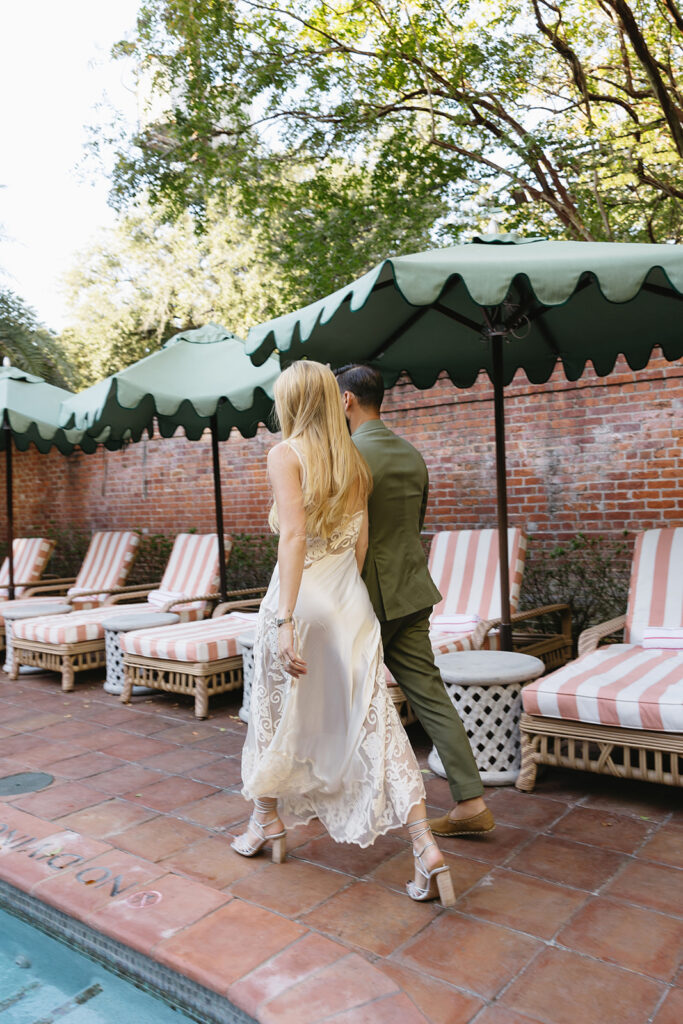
<point>196,376</point>
<point>200,379</point>
<point>434,311</point>
<point>30,413</point>
<point>499,303</point>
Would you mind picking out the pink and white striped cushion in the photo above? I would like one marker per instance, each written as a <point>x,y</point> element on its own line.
<point>663,638</point>
<point>621,685</point>
<point>193,561</point>
<point>655,595</point>
<point>192,569</point>
<point>207,641</point>
<point>106,565</point>
<point>464,564</point>
<point>84,625</point>
<point>30,558</point>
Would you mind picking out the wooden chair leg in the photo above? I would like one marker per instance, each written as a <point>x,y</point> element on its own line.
<point>527,775</point>
<point>127,691</point>
<point>67,674</point>
<point>201,699</point>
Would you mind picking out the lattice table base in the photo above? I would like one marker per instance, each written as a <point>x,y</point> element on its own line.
<point>124,624</point>
<point>490,708</point>
<point>245,645</point>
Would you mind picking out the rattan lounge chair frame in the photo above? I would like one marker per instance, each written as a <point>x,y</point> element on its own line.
<point>646,755</point>
<point>201,679</point>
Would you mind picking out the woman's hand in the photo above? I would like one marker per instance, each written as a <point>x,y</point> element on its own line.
<point>289,656</point>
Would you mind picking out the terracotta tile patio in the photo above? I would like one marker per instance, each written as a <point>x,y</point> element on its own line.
<point>572,910</point>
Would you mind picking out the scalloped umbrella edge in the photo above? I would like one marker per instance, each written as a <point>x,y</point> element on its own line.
<point>491,290</point>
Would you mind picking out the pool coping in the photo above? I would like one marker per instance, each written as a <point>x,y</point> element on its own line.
<point>162,982</point>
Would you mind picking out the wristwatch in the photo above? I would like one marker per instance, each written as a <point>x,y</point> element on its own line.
<point>283,622</point>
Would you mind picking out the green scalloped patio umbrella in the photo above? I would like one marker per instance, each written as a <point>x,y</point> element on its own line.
<point>201,379</point>
<point>499,303</point>
<point>30,413</point>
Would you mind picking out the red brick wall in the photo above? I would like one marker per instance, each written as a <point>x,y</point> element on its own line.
<point>599,455</point>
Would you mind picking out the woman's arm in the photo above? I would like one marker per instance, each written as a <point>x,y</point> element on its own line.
<point>362,542</point>
<point>284,472</point>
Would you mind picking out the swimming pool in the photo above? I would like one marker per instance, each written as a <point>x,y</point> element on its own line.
<point>42,980</point>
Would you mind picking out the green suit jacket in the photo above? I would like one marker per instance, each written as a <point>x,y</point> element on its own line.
<point>395,570</point>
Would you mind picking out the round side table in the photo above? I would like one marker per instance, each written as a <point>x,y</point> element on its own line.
<point>126,624</point>
<point>13,615</point>
<point>245,645</point>
<point>486,690</point>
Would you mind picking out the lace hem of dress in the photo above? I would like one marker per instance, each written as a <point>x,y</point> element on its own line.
<point>388,784</point>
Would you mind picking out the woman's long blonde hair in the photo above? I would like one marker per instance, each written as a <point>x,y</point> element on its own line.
<point>337,479</point>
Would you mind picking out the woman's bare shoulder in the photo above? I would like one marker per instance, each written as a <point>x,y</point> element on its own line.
<point>283,456</point>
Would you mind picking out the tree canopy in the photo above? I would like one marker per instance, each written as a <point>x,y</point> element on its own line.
<point>29,345</point>
<point>150,277</point>
<point>331,117</point>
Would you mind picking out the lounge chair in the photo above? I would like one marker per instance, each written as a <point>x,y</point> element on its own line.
<point>105,568</point>
<point>464,564</point>
<point>31,555</point>
<point>198,659</point>
<point>75,642</point>
<point>618,709</point>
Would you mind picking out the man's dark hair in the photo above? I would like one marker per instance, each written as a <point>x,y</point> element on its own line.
<point>365,382</point>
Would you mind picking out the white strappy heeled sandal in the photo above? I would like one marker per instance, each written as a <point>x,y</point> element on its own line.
<point>245,848</point>
<point>438,881</point>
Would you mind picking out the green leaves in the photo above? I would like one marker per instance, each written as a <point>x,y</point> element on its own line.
<point>405,123</point>
<point>28,344</point>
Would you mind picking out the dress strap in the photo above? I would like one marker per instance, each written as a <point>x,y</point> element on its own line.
<point>292,445</point>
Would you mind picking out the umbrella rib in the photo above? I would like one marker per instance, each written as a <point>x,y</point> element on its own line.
<point>399,332</point>
<point>658,289</point>
<point>464,320</point>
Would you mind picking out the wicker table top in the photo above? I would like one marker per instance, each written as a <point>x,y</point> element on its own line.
<point>488,668</point>
<point>140,620</point>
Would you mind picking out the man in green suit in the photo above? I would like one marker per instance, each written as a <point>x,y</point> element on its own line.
<point>403,593</point>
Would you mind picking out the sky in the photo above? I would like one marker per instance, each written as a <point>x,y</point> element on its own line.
<point>54,72</point>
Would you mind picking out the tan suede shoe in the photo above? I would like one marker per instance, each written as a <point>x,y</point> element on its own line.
<point>476,825</point>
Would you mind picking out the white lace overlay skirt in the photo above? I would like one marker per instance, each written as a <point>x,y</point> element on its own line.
<point>329,744</point>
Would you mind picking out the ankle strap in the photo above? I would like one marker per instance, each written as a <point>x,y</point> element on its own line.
<point>422,831</point>
<point>265,804</point>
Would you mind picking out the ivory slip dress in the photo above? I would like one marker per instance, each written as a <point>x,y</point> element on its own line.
<point>329,744</point>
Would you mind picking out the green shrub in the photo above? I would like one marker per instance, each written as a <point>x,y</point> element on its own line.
<point>69,551</point>
<point>252,560</point>
<point>589,573</point>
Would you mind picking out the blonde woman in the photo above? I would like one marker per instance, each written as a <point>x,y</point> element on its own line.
<point>324,738</point>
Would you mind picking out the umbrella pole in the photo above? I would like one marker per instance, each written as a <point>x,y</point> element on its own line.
<point>219,505</point>
<point>501,491</point>
<point>9,507</point>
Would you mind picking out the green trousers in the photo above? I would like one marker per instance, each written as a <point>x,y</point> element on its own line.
<point>409,657</point>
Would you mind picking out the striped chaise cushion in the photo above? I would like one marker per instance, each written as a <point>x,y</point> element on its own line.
<point>656,591</point>
<point>73,628</point>
<point>106,565</point>
<point>622,685</point>
<point>30,558</point>
<point>85,625</point>
<point>464,564</point>
<point>192,569</point>
<point>207,641</point>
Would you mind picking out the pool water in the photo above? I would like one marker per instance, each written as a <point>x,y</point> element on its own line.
<point>43,980</point>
